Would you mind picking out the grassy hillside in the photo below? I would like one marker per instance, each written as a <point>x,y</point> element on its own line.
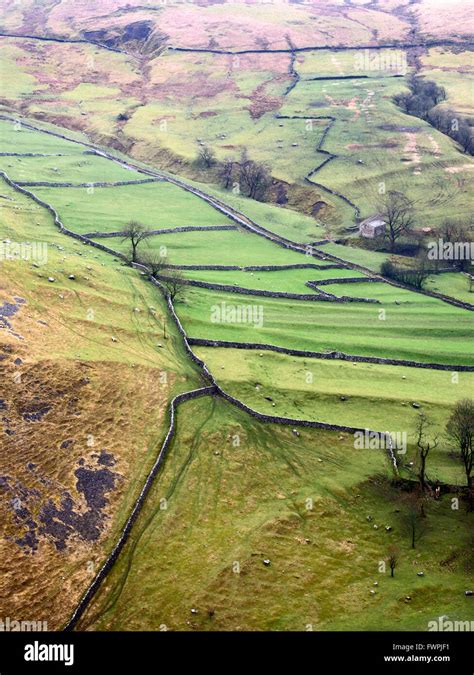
<point>95,359</point>
<point>425,330</point>
<point>197,562</point>
<point>371,395</point>
<point>85,388</point>
<point>160,106</point>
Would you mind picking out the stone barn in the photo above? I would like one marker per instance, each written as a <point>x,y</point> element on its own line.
<point>372,227</point>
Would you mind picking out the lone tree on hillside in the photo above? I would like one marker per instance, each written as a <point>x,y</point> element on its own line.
<point>155,262</point>
<point>206,156</point>
<point>424,443</point>
<point>460,429</point>
<point>398,213</point>
<point>174,284</point>
<point>414,518</point>
<point>421,271</point>
<point>135,232</point>
<point>392,560</point>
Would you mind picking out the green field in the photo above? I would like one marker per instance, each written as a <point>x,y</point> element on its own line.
<point>301,502</point>
<point>376,396</point>
<point>17,138</point>
<point>370,259</point>
<point>423,331</point>
<point>383,292</point>
<point>85,168</point>
<point>217,248</point>
<point>288,281</point>
<point>452,69</point>
<point>454,284</point>
<point>156,205</point>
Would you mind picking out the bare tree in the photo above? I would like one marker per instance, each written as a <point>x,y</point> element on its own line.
<point>174,284</point>
<point>413,518</point>
<point>206,156</point>
<point>135,232</point>
<point>155,262</point>
<point>420,272</point>
<point>460,429</point>
<point>254,177</point>
<point>458,232</point>
<point>398,213</point>
<point>392,560</point>
<point>226,172</point>
<point>424,444</point>
<point>455,230</point>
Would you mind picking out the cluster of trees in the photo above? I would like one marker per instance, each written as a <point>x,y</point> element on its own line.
<point>456,232</point>
<point>423,95</point>
<point>156,263</point>
<point>460,432</point>
<point>252,178</point>
<point>398,213</point>
<point>421,101</point>
<point>453,125</point>
<point>415,276</point>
